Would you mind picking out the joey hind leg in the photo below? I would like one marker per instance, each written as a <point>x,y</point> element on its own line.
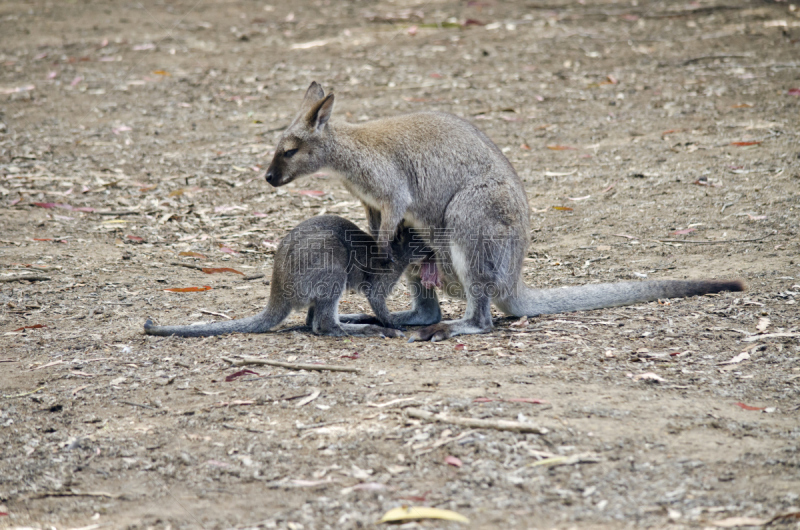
<point>325,321</point>
<point>370,330</point>
<point>424,307</point>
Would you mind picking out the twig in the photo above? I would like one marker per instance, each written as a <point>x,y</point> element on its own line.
<point>207,312</point>
<point>244,361</point>
<point>715,56</point>
<point>254,276</point>
<point>308,399</point>
<point>188,265</point>
<point>9,360</point>
<point>132,404</point>
<point>28,277</point>
<point>119,212</point>
<point>705,242</point>
<point>235,428</point>
<point>301,427</point>
<point>500,425</point>
<point>75,494</point>
<point>583,458</point>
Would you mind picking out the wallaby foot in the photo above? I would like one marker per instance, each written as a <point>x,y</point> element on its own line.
<point>357,330</point>
<point>447,329</point>
<point>478,319</point>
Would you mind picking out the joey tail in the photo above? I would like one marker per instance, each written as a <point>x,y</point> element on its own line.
<point>274,314</point>
<point>531,302</point>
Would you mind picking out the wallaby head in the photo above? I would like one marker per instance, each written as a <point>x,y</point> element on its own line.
<point>301,149</point>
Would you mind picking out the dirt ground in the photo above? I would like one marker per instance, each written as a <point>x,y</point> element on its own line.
<point>656,139</point>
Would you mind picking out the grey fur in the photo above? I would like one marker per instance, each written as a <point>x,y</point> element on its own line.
<point>314,264</point>
<point>439,173</point>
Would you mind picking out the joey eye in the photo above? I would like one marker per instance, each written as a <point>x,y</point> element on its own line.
<point>290,153</point>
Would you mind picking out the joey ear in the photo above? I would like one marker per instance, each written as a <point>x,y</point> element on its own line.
<point>313,94</point>
<point>321,113</point>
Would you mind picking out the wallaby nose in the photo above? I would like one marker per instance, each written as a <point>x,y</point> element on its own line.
<point>270,175</point>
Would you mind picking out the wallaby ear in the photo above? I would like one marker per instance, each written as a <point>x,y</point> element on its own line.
<point>313,94</point>
<point>321,113</point>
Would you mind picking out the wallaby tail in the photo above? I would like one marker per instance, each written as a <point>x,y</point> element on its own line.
<point>531,302</point>
<point>270,317</point>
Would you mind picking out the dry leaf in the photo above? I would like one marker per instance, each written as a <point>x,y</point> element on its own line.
<point>188,289</point>
<point>562,208</point>
<point>453,461</point>
<point>411,513</point>
<point>209,270</point>
<point>561,148</point>
<point>747,407</point>
<point>649,376</point>
<point>763,324</point>
<point>240,373</point>
<point>739,358</point>
<point>35,326</point>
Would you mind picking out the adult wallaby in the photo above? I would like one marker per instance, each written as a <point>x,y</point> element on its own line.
<point>441,174</point>
<point>314,264</point>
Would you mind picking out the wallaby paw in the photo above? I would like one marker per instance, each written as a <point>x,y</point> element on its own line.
<point>434,333</point>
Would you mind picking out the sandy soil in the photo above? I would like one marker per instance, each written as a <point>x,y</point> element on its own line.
<point>656,139</point>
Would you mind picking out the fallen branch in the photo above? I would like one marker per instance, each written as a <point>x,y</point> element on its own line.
<point>132,404</point>
<point>75,494</point>
<point>583,458</point>
<point>29,277</point>
<point>706,242</point>
<point>500,425</point>
<point>245,361</point>
<point>753,338</point>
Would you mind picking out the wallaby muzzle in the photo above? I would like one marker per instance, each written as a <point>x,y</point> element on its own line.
<point>273,175</point>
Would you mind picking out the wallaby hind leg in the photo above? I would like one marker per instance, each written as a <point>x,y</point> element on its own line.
<point>484,264</point>
<point>424,308</point>
<point>310,316</point>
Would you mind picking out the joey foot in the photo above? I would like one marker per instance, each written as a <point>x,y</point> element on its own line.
<point>390,333</point>
<point>434,333</point>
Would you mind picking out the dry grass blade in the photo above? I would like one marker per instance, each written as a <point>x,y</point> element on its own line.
<point>246,361</point>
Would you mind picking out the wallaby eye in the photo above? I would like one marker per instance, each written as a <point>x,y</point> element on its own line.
<point>290,153</point>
